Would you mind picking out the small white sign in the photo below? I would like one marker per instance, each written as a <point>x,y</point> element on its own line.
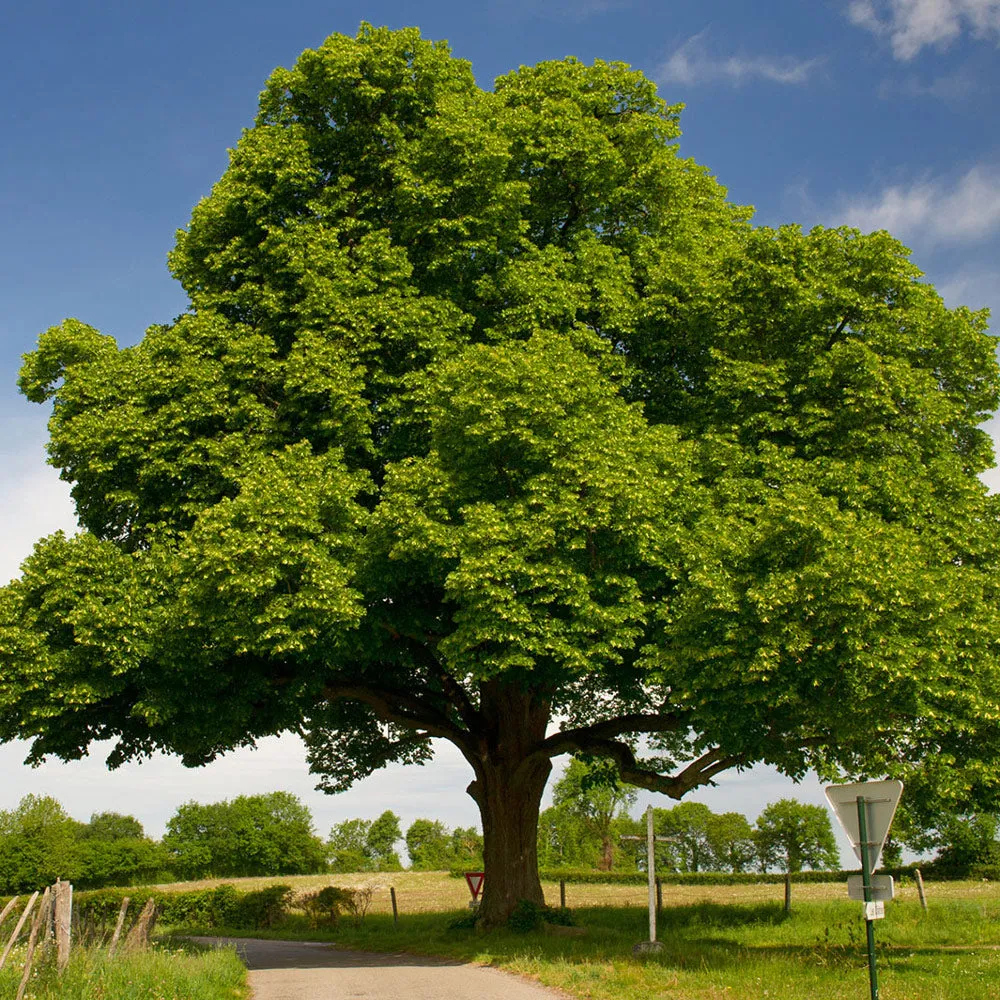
<point>882,887</point>
<point>874,911</point>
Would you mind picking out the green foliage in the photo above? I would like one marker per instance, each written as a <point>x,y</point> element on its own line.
<point>268,834</point>
<point>592,877</point>
<point>39,842</point>
<point>223,906</point>
<point>491,420</point>
<point>432,847</point>
<point>381,842</point>
<point>591,792</point>
<point>791,835</point>
<point>325,906</point>
<point>110,826</point>
<point>528,916</point>
<point>360,845</point>
<point>730,842</point>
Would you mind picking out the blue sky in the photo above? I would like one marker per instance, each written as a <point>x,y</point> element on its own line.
<point>118,116</point>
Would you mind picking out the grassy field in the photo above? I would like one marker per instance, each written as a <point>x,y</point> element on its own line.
<point>720,942</point>
<point>430,892</point>
<point>159,974</point>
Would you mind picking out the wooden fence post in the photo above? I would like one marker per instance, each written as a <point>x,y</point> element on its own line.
<point>920,888</point>
<point>562,893</point>
<point>138,937</point>
<point>10,906</point>
<point>395,910</point>
<point>40,918</point>
<point>118,927</point>
<point>63,921</point>
<point>17,929</point>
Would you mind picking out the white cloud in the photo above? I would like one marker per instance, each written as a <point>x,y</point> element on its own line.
<point>692,63</point>
<point>34,503</point>
<point>152,790</point>
<point>931,211</point>
<point>911,25</point>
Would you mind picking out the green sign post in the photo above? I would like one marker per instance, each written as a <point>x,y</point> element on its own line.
<point>866,876</point>
<point>865,810</point>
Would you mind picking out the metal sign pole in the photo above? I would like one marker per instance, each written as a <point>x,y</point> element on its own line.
<point>866,875</point>
<point>650,868</point>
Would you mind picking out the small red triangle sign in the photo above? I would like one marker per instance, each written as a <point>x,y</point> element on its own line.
<point>475,880</point>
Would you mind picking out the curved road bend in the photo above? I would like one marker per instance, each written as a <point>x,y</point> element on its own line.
<point>304,970</point>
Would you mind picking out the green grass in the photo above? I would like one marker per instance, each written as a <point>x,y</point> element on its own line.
<point>731,950</point>
<point>172,973</point>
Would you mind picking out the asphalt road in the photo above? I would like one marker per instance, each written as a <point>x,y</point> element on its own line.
<point>301,970</point>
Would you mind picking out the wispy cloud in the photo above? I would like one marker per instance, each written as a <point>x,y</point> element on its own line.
<point>911,25</point>
<point>693,63</point>
<point>932,210</point>
<point>952,87</point>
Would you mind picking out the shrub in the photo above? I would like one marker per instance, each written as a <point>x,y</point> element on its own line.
<point>528,916</point>
<point>325,906</point>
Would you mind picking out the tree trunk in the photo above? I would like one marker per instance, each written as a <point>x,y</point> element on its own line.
<point>607,853</point>
<point>508,790</point>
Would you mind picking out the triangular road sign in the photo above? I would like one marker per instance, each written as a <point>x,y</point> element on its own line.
<point>881,799</point>
<point>475,880</point>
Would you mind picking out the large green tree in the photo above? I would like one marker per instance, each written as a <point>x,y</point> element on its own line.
<point>790,835</point>
<point>493,421</point>
<point>249,835</point>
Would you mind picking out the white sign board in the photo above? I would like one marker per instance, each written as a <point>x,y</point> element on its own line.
<point>882,887</point>
<point>881,799</point>
<point>875,911</point>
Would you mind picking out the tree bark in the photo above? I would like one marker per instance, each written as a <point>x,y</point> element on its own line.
<point>510,779</point>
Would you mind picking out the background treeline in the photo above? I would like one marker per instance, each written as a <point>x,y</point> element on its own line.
<point>251,835</point>
<point>585,826</point>
<point>584,830</point>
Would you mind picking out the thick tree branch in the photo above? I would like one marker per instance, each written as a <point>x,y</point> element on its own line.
<point>570,740</point>
<point>403,709</point>
<point>423,648</point>
<point>698,772</point>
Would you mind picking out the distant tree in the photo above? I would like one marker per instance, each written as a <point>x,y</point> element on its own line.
<point>39,842</point>
<point>466,847</point>
<point>380,843</point>
<point>250,835</point>
<point>730,842</point>
<point>112,826</point>
<point>791,835</point>
<point>959,840</point>
<point>347,848</point>
<point>564,841</point>
<point>121,861</point>
<point>592,791</point>
<point>428,845</point>
<point>687,825</point>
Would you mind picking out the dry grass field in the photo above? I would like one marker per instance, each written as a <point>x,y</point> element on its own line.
<point>429,892</point>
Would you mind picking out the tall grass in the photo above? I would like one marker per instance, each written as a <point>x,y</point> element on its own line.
<point>175,973</point>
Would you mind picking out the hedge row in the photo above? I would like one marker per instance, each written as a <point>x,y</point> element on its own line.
<point>589,877</point>
<point>223,906</point>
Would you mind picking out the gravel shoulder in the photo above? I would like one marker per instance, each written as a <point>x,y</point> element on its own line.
<point>304,970</point>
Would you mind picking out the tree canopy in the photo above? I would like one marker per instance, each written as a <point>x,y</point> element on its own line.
<point>492,420</point>
<point>249,835</point>
<point>793,834</point>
